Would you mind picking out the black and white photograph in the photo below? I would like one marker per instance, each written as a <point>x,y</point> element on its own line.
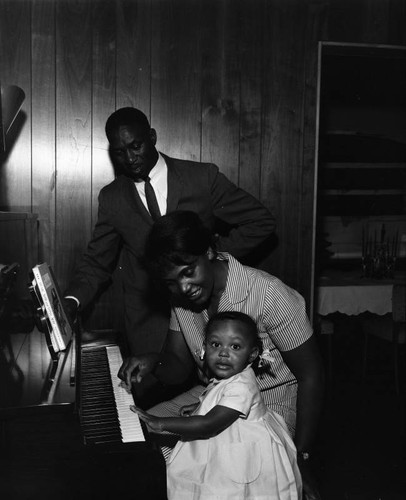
<point>202,249</point>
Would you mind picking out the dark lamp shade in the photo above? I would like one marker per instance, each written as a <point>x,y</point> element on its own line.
<point>12,98</point>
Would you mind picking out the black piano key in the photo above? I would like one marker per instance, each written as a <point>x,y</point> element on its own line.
<point>98,413</point>
<point>101,424</point>
<point>100,418</point>
<point>104,440</point>
<point>103,432</point>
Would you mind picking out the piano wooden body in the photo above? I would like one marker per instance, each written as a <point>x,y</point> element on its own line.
<point>60,437</point>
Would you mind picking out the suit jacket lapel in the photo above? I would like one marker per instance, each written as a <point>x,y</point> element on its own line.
<point>175,185</point>
<point>135,200</point>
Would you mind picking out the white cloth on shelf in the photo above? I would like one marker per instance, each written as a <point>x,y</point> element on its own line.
<point>353,299</point>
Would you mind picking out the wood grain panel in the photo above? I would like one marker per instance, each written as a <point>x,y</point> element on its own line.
<point>367,21</point>
<point>251,60</point>
<point>133,71</point>
<point>103,104</point>
<point>43,125</point>
<point>345,18</point>
<point>73,128</point>
<point>283,133</point>
<point>375,21</point>
<point>397,22</point>
<point>103,94</point>
<point>176,77</point>
<point>221,85</point>
<point>15,63</point>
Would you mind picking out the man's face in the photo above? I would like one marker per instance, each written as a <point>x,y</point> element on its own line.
<point>133,150</point>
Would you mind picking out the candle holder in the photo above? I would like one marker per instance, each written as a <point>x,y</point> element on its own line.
<point>379,258</point>
<point>379,263</point>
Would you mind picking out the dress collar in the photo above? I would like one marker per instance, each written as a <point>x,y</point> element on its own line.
<point>237,285</point>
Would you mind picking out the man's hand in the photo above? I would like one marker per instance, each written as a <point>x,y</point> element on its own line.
<point>70,307</point>
<point>135,368</point>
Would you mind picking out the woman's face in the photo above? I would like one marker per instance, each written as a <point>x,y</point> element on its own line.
<point>192,283</point>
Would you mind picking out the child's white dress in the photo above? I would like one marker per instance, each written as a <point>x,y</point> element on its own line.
<point>254,458</point>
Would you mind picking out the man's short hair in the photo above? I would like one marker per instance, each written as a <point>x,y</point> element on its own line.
<point>126,116</point>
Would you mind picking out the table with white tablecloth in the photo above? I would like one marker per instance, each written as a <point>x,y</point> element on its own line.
<point>354,299</point>
<point>350,294</point>
<point>347,292</point>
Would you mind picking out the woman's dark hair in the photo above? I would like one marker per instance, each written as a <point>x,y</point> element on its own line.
<point>247,321</point>
<point>126,116</point>
<point>176,239</point>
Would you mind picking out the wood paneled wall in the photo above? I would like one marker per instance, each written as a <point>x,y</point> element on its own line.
<point>228,81</point>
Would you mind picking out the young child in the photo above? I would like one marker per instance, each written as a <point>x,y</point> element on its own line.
<point>232,446</point>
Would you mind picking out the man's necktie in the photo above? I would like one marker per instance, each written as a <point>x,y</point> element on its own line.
<point>152,202</point>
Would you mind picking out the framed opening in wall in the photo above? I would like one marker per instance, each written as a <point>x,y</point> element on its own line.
<point>360,158</point>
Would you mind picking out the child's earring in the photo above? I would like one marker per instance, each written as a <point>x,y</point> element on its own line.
<point>200,353</point>
<point>265,356</point>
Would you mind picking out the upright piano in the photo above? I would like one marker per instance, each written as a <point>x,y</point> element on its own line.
<point>64,433</point>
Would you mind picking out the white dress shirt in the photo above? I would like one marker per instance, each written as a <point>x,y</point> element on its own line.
<point>159,181</point>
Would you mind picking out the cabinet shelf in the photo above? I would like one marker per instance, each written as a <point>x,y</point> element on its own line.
<point>364,165</point>
<point>361,203</point>
<point>362,192</point>
<point>362,188</point>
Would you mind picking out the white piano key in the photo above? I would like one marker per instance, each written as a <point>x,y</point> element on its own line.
<point>131,430</point>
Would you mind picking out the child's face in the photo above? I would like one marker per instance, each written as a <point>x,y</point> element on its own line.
<point>228,349</point>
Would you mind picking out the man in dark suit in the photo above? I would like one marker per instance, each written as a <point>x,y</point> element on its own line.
<point>124,221</point>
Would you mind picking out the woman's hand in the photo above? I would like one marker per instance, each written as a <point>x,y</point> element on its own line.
<point>187,410</point>
<point>154,424</point>
<point>135,368</point>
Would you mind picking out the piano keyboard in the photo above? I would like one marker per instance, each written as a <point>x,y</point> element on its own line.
<point>105,405</point>
<point>131,430</point>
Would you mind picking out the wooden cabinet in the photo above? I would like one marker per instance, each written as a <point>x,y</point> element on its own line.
<point>19,243</point>
<point>361,150</point>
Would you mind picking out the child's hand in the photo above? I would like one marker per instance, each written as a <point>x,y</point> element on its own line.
<point>154,424</point>
<point>187,410</point>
